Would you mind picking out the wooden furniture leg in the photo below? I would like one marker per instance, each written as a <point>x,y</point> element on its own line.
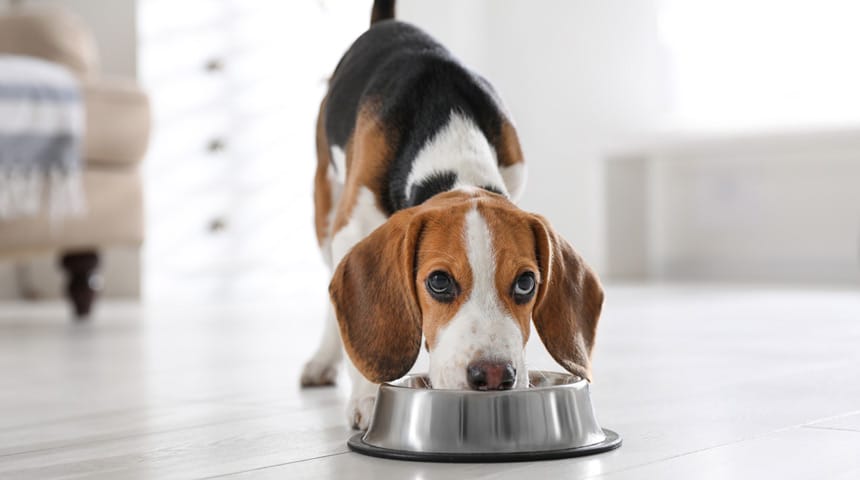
<point>81,280</point>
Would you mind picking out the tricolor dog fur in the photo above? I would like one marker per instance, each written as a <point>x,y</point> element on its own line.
<point>418,169</point>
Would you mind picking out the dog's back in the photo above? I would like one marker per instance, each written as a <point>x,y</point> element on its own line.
<point>405,120</point>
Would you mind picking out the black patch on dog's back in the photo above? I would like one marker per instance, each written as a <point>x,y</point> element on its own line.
<point>436,183</point>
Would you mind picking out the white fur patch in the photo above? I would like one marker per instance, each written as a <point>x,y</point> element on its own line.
<point>462,148</point>
<point>339,160</point>
<point>365,218</point>
<point>336,189</point>
<point>482,329</point>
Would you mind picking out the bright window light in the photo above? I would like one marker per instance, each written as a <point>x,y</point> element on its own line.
<point>763,63</point>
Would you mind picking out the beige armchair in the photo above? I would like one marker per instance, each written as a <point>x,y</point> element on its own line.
<point>115,140</point>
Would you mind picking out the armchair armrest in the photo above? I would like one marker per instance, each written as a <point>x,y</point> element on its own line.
<point>117,122</point>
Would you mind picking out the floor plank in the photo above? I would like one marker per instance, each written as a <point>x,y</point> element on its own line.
<point>194,451</point>
<point>799,453</point>
<point>840,422</point>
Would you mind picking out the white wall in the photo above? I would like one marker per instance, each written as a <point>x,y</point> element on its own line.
<point>577,75</point>
<point>741,64</point>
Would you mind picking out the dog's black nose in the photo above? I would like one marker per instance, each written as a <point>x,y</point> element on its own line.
<point>491,375</point>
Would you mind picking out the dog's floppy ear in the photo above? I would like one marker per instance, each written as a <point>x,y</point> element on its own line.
<point>568,302</point>
<point>374,297</point>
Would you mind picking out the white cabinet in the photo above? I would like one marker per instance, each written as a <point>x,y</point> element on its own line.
<point>777,207</point>
<point>235,86</point>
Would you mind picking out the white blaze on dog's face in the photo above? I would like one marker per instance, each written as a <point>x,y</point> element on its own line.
<point>467,271</point>
<point>477,286</point>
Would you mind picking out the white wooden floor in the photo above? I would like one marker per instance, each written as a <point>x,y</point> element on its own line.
<point>701,383</point>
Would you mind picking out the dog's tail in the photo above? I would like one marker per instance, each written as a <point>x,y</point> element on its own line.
<point>382,10</point>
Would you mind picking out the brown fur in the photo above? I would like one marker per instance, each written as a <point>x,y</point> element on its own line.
<point>514,246</point>
<point>442,248</point>
<point>323,201</point>
<point>373,292</point>
<point>368,154</point>
<point>377,290</point>
<point>569,301</point>
<point>507,147</point>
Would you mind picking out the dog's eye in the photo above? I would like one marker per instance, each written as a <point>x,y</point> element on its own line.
<point>524,287</point>
<point>441,286</point>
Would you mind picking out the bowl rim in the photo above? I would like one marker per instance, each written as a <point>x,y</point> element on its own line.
<point>574,381</point>
<point>357,444</point>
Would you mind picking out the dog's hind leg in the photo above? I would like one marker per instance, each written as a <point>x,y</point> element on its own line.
<point>322,368</point>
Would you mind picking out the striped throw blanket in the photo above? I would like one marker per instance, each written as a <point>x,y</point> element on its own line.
<point>41,126</point>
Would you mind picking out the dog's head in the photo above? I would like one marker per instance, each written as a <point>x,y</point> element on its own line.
<point>469,271</point>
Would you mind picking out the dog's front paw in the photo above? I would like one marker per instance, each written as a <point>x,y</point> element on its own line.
<point>319,374</point>
<point>359,411</point>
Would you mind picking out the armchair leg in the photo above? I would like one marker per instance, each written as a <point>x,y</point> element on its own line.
<point>81,280</point>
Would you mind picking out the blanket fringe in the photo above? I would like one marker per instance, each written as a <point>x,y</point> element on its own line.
<point>29,192</point>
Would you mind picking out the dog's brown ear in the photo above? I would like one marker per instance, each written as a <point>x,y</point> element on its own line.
<point>568,302</point>
<point>374,297</point>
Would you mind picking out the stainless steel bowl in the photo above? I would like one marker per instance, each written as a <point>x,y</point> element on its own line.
<point>553,418</point>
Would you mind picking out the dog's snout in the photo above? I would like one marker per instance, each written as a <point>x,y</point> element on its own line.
<point>491,375</point>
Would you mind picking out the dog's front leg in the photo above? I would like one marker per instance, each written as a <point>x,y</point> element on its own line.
<point>321,369</point>
<point>359,409</point>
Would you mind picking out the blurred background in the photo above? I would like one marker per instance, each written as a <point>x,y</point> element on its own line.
<point>668,140</point>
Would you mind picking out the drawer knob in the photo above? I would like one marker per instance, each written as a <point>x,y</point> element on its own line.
<point>216,145</point>
<point>217,225</point>
<point>214,65</point>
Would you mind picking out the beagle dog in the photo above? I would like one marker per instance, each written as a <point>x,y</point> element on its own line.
<point>418,168</point>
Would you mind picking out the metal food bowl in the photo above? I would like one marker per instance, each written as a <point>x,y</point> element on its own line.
<point>553,418</point>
